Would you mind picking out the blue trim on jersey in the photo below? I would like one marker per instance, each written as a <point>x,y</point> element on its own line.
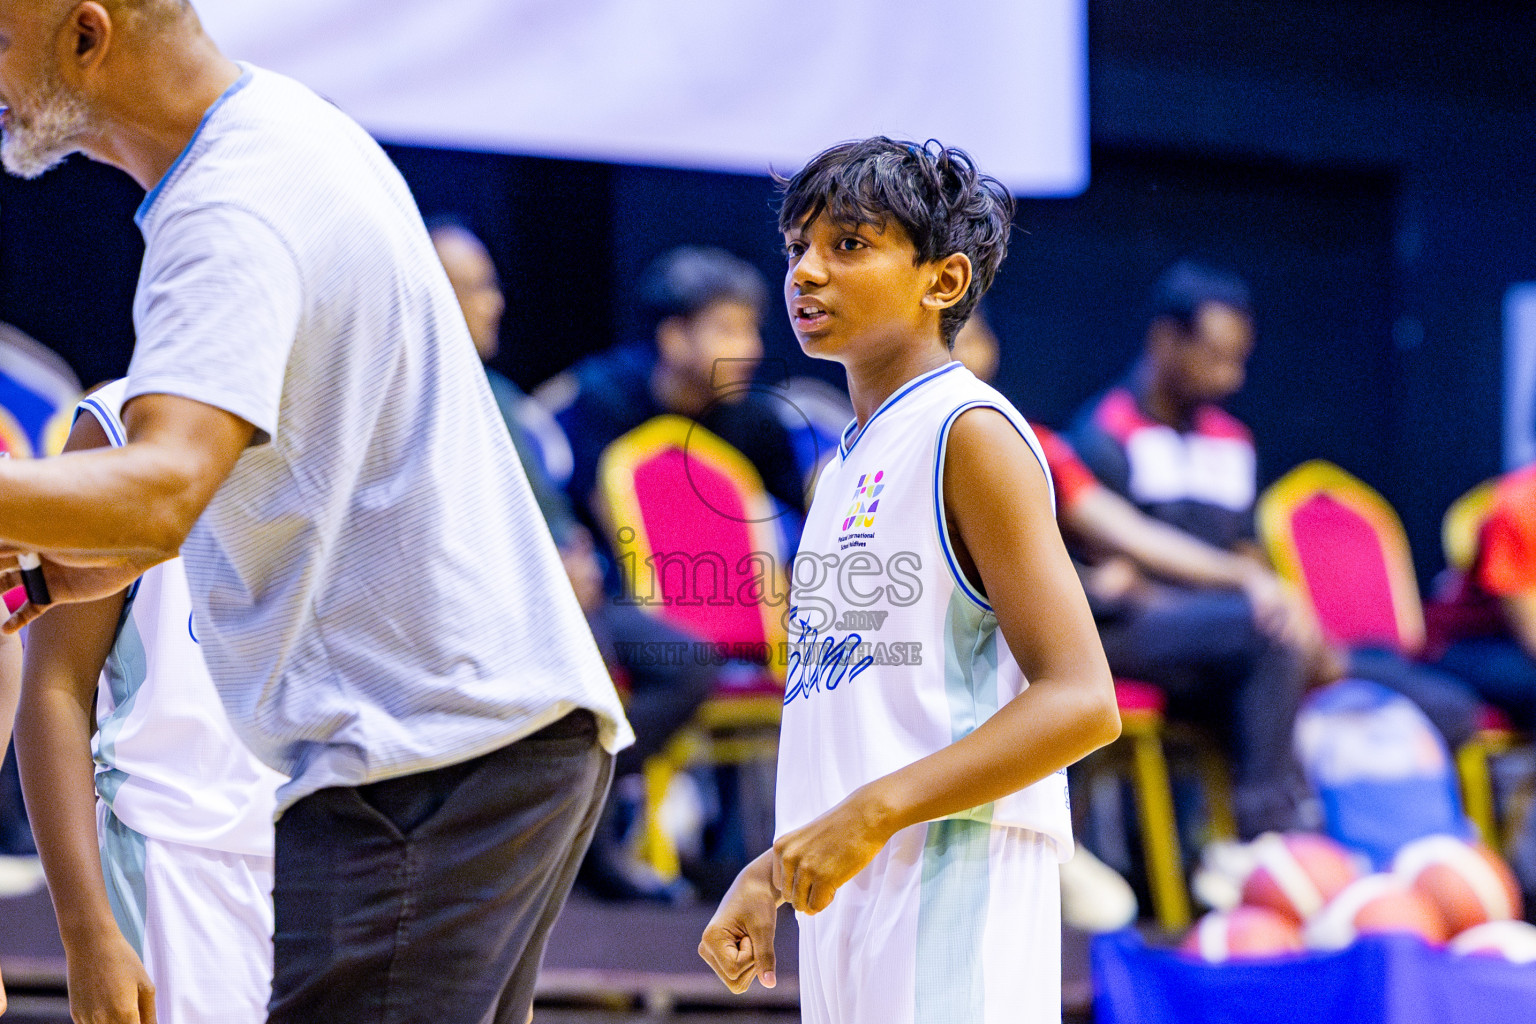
<point>846,447</point>
<point>938,491</point>
<point>154,193</point>
<point>107,420</point>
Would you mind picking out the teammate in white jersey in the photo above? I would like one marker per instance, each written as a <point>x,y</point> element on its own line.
<point>181,809</point>
<point>945,667</point>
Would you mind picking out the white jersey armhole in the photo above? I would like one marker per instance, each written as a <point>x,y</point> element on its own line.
<point>941,520</point>
<point>104,411</point>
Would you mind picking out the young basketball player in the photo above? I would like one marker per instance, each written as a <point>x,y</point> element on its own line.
<point>945,668</point>
<point>161,874</point>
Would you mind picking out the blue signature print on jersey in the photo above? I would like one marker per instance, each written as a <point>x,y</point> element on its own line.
<point>823,665</point>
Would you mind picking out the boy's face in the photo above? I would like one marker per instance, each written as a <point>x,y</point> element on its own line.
<point>850,287</point>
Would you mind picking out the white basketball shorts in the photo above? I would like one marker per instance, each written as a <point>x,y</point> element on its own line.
<point>201,921</point>
<point>954,922</point>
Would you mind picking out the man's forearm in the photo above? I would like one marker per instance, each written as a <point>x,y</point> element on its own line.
<point>121,502</point>
<point>136,502</point>
<point>1108,520</point>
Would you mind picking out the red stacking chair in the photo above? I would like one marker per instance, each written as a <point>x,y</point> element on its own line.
<point>693,530</point>
<point>1142,709</point>
<point>1459,533</point>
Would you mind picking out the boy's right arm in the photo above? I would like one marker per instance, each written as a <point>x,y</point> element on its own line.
<point>738,942</point>
<point>65,652</point>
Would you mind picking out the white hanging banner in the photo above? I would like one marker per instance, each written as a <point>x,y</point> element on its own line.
<point>734,85</point>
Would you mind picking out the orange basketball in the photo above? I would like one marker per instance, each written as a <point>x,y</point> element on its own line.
<point>1375,905</point>
<point>1297,873</point>
<point>1467,882</point>
<point>1244,933</point>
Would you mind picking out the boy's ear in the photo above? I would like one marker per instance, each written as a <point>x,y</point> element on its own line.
<point>951,280</point>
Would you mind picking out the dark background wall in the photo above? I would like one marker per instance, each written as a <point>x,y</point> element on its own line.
<point>1368,165</point>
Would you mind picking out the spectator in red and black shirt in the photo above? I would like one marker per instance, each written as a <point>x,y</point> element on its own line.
<point>1213,629</point>
<point>1493,642</point>
<point>1161,439</point>
<point>1182,599</point>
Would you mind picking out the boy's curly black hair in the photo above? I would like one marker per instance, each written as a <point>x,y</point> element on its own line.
<point>934,192</point>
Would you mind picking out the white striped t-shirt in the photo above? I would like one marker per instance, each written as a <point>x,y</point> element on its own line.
<point>377,591</point>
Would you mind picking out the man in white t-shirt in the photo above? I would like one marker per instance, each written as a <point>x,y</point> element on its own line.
<point>378,600</point>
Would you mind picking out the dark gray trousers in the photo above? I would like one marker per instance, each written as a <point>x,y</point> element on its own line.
<point>1202,648</point>
<point>429,898</point>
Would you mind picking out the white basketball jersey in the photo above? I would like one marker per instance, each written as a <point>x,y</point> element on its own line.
<point>894,654</point>
<point>168,762</point>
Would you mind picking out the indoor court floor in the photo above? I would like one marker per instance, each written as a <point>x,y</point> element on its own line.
<point>661,978</point>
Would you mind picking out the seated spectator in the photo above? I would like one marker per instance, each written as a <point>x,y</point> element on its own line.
<point>1213,629</point>
<point>696,359</point>
<point>1492,643</point>
<point>541,445</point>
<point>662,695</point>
<point>1486,631</point>
<point>1161,440</point>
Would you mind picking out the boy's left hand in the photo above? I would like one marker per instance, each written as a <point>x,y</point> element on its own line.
<point>811,863</point>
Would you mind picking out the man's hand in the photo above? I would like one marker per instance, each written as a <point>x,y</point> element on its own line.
<point>1113,580</point>
<point>738,942</point>
<point>1272,608</point>
<point>108,984</point>
<point>67,584</point>
<point>1279,611</point>
<point>811,863</point>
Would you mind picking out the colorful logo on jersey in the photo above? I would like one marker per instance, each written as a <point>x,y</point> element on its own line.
<point>866,501</point>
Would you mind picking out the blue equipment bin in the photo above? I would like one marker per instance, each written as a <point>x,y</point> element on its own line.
<point>1377,980</point>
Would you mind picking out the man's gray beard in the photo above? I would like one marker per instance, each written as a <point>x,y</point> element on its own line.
<point>57,126</point>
